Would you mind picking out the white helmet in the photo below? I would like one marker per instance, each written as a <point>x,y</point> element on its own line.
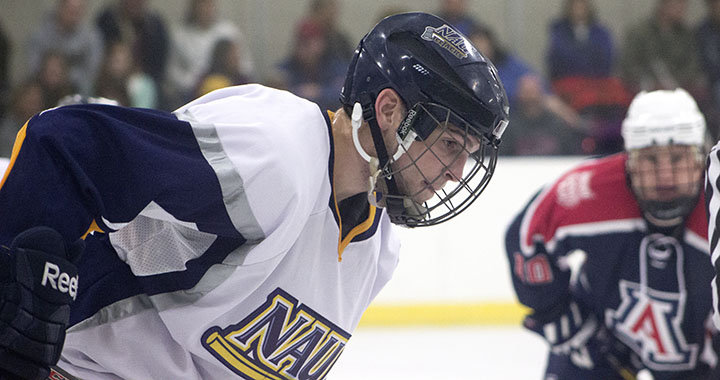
<point>663,117</point>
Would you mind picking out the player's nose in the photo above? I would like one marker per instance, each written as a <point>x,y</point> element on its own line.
<point>454,171</point>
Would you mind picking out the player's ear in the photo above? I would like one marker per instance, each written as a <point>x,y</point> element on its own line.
<point>389,110</point>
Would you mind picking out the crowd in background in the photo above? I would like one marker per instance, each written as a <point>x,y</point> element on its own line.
<point>573,106</point>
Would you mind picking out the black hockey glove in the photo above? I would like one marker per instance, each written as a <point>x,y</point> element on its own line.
<point>571,330</point>
<point>38,282</point>
<point>567,328</point>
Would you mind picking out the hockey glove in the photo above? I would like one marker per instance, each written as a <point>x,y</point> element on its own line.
<point>567,328</point>
<point>38,282</point>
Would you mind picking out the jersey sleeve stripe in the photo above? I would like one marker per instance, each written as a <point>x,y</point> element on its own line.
<point>15,151</point>
<point>103,301</point>
<point>231,184</point>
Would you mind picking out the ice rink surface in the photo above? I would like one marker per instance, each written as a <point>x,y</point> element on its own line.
<point>443,353</point>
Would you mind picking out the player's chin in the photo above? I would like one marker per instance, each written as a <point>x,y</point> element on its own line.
<point>667,195</point>
<point>425,194</point>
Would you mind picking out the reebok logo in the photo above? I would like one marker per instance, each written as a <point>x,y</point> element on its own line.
<point>405,127</point>
<point>58,280</point>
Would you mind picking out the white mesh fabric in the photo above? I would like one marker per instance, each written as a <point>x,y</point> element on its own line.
<point>151,246</point>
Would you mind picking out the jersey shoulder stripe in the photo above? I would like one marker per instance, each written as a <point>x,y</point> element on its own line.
<point>595,192</point>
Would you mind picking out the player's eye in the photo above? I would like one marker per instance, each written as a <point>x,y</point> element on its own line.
<point>452,145</point>
<point>650,159</point>
<point>677,158</point>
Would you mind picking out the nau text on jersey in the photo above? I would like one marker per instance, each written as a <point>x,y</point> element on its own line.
<point>279,340</point>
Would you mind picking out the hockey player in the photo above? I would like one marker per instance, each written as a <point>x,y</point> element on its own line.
<point>612,258</point>
<point>243,235</point>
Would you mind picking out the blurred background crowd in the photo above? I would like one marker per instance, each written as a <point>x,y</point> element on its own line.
<point>572,103</point>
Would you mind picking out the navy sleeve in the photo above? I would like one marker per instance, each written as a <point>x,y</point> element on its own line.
<point>537,278</point>
<point>76,165</point>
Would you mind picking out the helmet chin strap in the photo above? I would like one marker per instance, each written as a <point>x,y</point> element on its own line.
<point>663,223</point>
<point>377,164</point>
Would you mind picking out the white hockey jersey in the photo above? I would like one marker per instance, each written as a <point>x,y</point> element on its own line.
<point>219,256</point>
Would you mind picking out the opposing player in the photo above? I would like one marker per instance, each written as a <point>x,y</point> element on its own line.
<point>612,257</point>
<point>244,234</point>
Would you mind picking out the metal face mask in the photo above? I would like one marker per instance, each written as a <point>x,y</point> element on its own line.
<point>666,181</point>
<point>442,165</point>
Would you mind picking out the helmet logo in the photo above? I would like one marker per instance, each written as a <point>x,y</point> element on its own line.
<point>448,39</point>
<point>405,126</point>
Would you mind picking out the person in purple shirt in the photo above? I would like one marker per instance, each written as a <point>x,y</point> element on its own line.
<point>512,70</point>
<point>579,44</point>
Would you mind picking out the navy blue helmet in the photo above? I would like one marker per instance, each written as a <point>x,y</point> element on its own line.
<point>444,81</point>
<point>425,60</point>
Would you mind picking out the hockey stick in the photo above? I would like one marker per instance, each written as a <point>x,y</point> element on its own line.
<point>623,371</point>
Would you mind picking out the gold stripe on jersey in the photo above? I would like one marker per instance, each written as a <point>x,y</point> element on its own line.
<point>357,230</point>
<point>93,228</point>
<point>15,151</point>
<point>19,140</point>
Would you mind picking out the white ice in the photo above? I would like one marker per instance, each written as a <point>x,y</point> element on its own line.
<point>442,353</point>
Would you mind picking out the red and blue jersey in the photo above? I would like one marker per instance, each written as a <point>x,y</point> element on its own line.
<point>651,290</point>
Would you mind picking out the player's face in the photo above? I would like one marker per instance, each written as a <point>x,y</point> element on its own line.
<point>430,164</point>
<point>665,173</point>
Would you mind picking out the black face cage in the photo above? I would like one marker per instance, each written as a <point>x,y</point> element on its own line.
<point>656,199</point>
<point>461,189</point>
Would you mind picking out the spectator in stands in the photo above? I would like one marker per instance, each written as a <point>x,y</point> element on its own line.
<point>512,69</point>
<point>133,22</point>
<point>323,14</point>
<point>5,50</point>
<point>192,47</point>
<point>708,38</point>
<point>312,71</point>
<point>661,52</point>
<point>65,31</point>
<point>580,46</point>
<point>535,130</point>
<point>224,69</point>
<point>54,78</point>
<point>580,62</point>
<point>122,81</point>
<point>455,12</point>
<point>26,100</point>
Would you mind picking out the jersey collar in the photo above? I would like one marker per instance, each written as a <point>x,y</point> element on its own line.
<point>348,231</point>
